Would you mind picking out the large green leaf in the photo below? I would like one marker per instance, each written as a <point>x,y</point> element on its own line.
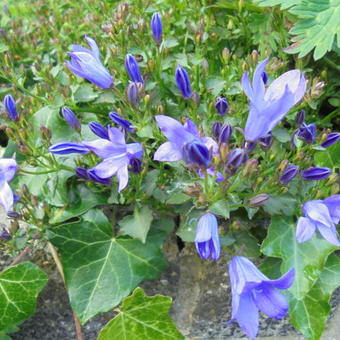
<point>283,3</point>
<point>307,258</point>
<point>100,270</point>
<point>138,224</point>
<point>329,157</point>
<point>142,316</point>
<point>19,288</point>
<point>309,315</point>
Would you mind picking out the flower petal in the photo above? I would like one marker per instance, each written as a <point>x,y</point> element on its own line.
<point>6,196</point>
<point>305,229</point>
<point>190,126</point>
<point>123,177</point>
<point>94,47</point>
<point>333,205</point>
<point>110,166</point>
<point>8,167</point>
<point>258,83</point>
<point>115,135</point>
<point>329,234</point>
<point>247,315</point>
<point>173,130</point>
<point>168,152</point>
<point>134,150</point>
<point>105,148</point>
<point>248,90</point>
<point>270,301</point>
<point>285,281</point>
<point>318,212</point>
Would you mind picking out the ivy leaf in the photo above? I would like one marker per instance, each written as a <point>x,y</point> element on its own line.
<point>19,288</point>
<point>100,270</point>
<point>307,258</point>
<point>138,224</point>
<point>310,314</point>
<point>328,157</point>
<point>281,205</point>
<point>144,315</point>
<point>283,3</point>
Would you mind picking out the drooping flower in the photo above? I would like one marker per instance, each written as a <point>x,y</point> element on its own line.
<point>183,82</point>
<point>221,106</point>
<point>133,69</point>
<point>323,215</point>
<point>269,106</point>
<point>253,291</point>
<point>184,143</point>
<point>331,139</point>
<point>10,107</point>
<point>207,240</point>
<point>156,27</point>
<point>289,174</point>
<point>316,174</point>
<point>70,118</point>
<point>8,167</point>
<point>86,64</point>
<point>124,123</point>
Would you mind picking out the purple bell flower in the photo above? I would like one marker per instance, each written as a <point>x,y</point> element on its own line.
<point>253,291</point>
<point>65,148</point>
<point>316,174</point>
<point>70,118</point>
<point>323,215</point>
<point>183,82</point>
<point>269,106</point>
<point>156,27</point>
<point>10,107</point>
<point>8,167</point>
<point>289,174</point>
<point>116,156</point>
<point>222,106</point>
<point>86,63</point>
<point>207,240</point>
<point>133,69</point>
<point>184,142</point>
<point>236,157</point>
<point>225,134</point>
<point>125,124</point>
<point>133,93</point>
<point>307,132</point>
<point>331,139</point>
<point>216,129</point>
<point>99,130</point>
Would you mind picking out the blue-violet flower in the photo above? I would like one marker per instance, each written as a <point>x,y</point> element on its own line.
<point>289,174</point>
<point>8,167</point>
<point>133,69</point>
<point>156,27</point>
<point>221,106</point>
<point>10,107</point>
<point>183,82</point>
<point>124,123</point>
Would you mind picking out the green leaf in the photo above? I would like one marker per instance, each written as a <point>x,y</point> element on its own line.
<point>328,157</point>
<point>85,93</point>
<point>246,244</point>
<point>19,288</point>
<point>310,314</point>
<point>283,3</point>
<point>281,205</point>
<point>282,135</point>
<point>84,200</point>
<point>221,208</point>
<point>188,225</point>
<point>100,270</point>
<point>138,224</point>
<point>142,316</point>
<point>307,258</point>
<point>215,85</point>
<point>319,28</point>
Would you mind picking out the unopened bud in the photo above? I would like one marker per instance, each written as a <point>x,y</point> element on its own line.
<point>254,56</point>
<point>250,166</point>
<point>335,189</point>
<point>46,132</point>
<point>147,100</point>
<point>160,109</point>
<point>10,133</point>
<point>225,54</point>
<point>196,97</point>
<point>333,178</point>
<point>258,200</point>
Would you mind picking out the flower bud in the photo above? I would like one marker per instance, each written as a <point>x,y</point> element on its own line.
<point>221,106</point>
<point>225,133</point>
<point>82,173</point>
<point>236,157</point>
<point>13,214</point>
<point>135,165</point>
<point>10,107</point>
<point>307,132</point>
<point>94,178</point>
<point>300,117</point>
<point>266,141</point>
<point>99,130</point>
<point>331,139</point>
<point>70,118</point>
<point>258,200</point>
<point>5,235</point>
<point>335,189</point>
<point>315,174</point>
<point>115,117</point>
<point>225,54</point>
<point>197,153</point>
<point>216,129</point>
<point>333,178</point>
<point>289,173</point>
<point>196,97</point>
<point>132,93</point>
<point>250,166</point>
<point>46,132</point>
<point>156,27</point>
<point>133,69</point>
<point>183,82</point>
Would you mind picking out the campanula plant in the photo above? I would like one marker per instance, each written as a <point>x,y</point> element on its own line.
<point>173,158</point>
